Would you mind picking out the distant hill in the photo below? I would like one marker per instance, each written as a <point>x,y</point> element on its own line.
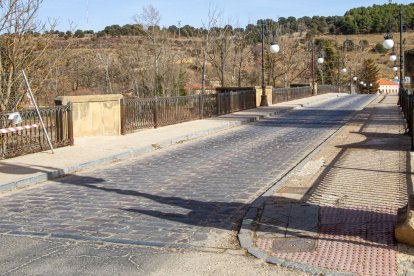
<point>362,20</point>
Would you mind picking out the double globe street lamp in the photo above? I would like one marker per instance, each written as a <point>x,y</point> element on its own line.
<point>274,48</point>
<point>389,44</point>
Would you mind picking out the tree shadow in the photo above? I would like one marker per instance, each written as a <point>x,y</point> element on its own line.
<point>380,141</point>
<point>335,221</point>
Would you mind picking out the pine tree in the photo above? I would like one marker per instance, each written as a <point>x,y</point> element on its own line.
<point>181,83</point>
<point>329,68</point>
<point>369,75</point>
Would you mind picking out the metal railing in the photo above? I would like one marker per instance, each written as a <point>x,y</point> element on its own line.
<point>155,112</point>
<point>293,93</point>
<point>233,101</point>
<point>406,101</point>
<point>323,89</point>
<point>58,123</point>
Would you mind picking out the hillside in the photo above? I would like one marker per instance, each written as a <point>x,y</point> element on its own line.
<point>145,60</point>
<point>89,65</point>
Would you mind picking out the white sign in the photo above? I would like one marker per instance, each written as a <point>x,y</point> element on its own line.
<point>15,118</point>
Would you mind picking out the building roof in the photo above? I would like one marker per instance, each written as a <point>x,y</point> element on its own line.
<point>386,82</point>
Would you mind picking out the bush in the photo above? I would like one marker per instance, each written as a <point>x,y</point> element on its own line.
<point>379,48</point>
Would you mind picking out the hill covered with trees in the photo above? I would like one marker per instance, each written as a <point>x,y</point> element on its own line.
<point>362,20</point>
<point>144,60</point>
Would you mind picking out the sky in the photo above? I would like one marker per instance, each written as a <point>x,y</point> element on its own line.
<point>97,14</point>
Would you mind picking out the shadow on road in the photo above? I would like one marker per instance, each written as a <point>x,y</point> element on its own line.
<point>8,168</point>
<point>354,223</point>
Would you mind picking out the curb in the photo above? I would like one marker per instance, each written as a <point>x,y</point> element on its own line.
<point>134,152</point>
<point>246,232</point>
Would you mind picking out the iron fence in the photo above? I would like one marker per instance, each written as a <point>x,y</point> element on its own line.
<point>327,88</point>
<point>292,93</point>
<point>233,101</point>
<point>58,123</point>
<point>406,101</point>
<point>155,112</point>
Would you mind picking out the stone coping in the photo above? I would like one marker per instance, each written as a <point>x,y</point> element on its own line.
<point>88,98</point>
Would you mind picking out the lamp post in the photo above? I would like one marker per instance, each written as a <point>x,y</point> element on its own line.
<point>389,43</point>
<point>354,79</point>
<point>320,61</point>
<point>401,52</point>
<point>274,48</point>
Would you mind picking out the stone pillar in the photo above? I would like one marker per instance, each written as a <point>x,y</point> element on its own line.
<point>269,93</point>
<point>94,115</point>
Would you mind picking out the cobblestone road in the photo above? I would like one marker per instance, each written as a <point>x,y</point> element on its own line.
<point>190,194</point>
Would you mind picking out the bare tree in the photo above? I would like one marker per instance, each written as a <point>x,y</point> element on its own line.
<point>106,61</point>
<point>242,51</point>
<point>213,17</point>
<point>23,47</point>
<point>150,19</point>
<point>222,44</point>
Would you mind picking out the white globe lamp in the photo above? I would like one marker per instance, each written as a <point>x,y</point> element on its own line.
<point>274,48</point>
<point>388,43</point>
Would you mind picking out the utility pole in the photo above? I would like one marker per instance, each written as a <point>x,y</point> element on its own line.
<point>179,29</point>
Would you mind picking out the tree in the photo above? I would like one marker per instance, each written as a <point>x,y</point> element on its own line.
<point>222,43</point>
<point>369,74</point>
<point>21,50</point>
<point>105,60</point>
<point>242,49</point>
<point>213,17</point>
<point>363,44</point>
<point>182,91</point>
<point>330,66</point>
<point>79,34</point>
<point>150,18</point>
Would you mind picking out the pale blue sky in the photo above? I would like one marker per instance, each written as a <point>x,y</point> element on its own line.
<point>192,12</point>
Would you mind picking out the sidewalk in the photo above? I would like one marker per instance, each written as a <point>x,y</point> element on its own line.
<point>336,214</point>
<point>94,151</point>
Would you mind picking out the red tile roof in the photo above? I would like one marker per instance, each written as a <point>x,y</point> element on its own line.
<point>386,82</point>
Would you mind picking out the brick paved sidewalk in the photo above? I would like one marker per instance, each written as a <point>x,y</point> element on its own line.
<point>338,212</point>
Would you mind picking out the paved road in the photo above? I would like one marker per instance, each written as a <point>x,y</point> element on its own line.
<point>190,195</point>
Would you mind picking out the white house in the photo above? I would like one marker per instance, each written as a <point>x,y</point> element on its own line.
<point>386,86</point>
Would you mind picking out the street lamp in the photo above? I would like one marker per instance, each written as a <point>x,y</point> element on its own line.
<point>320,61</point>
<point>389,43</point>
<point>354,79</point>
<point>395,68</point>
<point>274,48</point>
<point>393,55</point>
